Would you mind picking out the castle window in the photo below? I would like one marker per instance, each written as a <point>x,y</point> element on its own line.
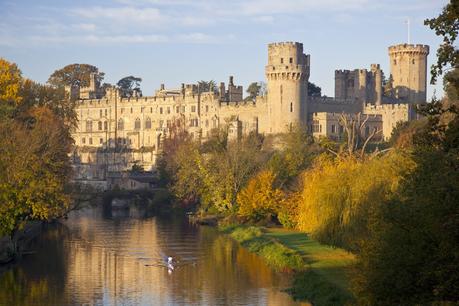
<point>90,140</point>
<point>105,125</point>
<point>83,140</point>
<point>148,123</point>
<point>100,113</point>
<point>161,110</point>
<point>315,126</point>
<point>183,109</point>
<point>88,126</point>
<point>99,125</point>
<point>333,129</point>
<point>168,110</point>
<point>101,141</point>
<point>177,109</point>
<point>137,124</point>
<point>131,110</point>
<point>282,60</point>
<point>395,62</point>
<point>207,108</point>
<point>291,107</point>
<point>151,109</point>
<point>105,112</point>
<point>413,61</point>
<point>120,124</point>
<point>291,60</point>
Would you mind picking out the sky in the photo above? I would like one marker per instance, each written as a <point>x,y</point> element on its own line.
<point>184,41</point>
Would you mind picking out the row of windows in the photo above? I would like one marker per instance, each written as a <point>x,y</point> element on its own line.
<point>412,61</point>
<point>290,60</point>
<point>166,110</point>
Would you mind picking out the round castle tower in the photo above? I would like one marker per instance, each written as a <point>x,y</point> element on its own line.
<point>408,66</point>
<point>287,73</point>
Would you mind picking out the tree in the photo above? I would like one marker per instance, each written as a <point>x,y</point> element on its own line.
<point>10,86</point>
<point>75,75</point>
<point>260,200</point>
<point>34,169</point>
<point>388,87</point>
<point>253,90</point>
<point>130,86</point>
<point>206,86</point>
<point>411,256</point>
<point>447,26</point>
<point>314,90</point>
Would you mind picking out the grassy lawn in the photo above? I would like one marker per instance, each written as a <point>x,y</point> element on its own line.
<point>331,263</point>
<point>320,271</point>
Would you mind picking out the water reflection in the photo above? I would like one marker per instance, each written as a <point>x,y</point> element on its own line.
<point>117,259</point>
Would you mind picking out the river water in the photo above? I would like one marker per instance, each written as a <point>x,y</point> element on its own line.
<point>116,258</point>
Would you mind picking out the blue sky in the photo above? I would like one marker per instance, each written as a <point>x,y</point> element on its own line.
<point>184,41</point>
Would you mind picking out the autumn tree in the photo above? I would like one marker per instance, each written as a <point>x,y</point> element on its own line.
<point>10,86</point>
<point>260,200</point>
<point>34,169</point>
<point>130,86</point>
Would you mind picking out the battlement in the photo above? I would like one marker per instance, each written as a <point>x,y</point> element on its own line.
<point>401,48</point>
<point>395,106</point>
<point>288,44</point>
<point>342,72</point>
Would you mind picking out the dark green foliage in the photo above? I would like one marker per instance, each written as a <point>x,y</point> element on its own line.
<point>75,75</point>
<point>447,26</point>
<point>130,86</point>
<point>314,90</point>
<point>253,90</point>
<point>310,286</point>
<point>412,254</point>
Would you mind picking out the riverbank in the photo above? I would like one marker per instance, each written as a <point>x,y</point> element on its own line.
<point>320,273</point>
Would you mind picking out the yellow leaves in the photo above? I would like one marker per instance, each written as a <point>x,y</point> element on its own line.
<point>337,197</point>
<point>10,82</point>
<point>259,199</point>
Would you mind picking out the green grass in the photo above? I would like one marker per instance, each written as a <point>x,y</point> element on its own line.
<point>321,272</point>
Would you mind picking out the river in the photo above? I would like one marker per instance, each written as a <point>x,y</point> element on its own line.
<point>116,258</point>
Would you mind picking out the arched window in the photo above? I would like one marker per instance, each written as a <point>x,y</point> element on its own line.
<point>105,125</point>
<point>99,125</point>
<point>120,124</point>
<point>137,124</point>
<point>88,126</point>
<point>148,123</point>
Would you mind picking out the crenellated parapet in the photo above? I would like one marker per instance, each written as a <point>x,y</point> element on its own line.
<point>409,48</point>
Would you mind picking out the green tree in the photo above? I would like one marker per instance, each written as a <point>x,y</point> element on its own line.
<point>253,90</point>
<point>75,75</point>
<point>314,90</point>
<point>447,26</point>
<point>130,86</point>
<point>205,86</point>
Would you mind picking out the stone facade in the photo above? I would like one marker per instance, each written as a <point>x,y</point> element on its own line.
<point>115,133</point>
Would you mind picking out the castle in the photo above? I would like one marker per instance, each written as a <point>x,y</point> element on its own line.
<point>114,133</point>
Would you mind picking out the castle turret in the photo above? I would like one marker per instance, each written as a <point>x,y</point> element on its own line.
<point>287,73</point>
<point>408,66</point>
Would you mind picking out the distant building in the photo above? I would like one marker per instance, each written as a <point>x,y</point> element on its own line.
<point>115,133</point>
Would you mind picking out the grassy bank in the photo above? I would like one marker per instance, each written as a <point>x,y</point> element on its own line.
<point>320,272</point>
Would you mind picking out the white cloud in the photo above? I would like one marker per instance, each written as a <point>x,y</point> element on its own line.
<point>151,16</point>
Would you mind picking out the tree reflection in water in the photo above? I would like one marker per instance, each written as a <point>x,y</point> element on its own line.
<point>101,259</point>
